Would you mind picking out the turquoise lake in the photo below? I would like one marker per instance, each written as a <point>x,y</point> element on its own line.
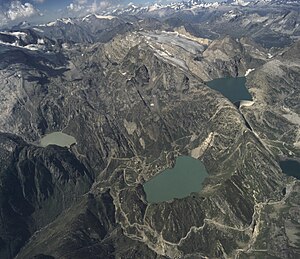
<point>186,177</point>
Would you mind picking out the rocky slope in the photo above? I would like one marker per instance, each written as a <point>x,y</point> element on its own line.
<point>274,114</point>
<point>37,184</point>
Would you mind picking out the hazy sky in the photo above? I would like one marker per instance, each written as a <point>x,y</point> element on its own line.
<point>60,4</point>
<point>14,11</point>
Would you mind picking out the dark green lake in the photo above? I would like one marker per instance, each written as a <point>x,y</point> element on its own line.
<point>233,88</point>
<point>186,177</point>
<point>290,168</point>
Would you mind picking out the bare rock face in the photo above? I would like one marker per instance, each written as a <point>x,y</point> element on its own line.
<point>134,104</point>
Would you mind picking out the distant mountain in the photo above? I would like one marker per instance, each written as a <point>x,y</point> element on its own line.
<point>270,23</point>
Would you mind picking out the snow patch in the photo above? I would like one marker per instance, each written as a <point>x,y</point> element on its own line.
<point>66,21</point>
<point>15,44</point>
<point>38,30</point>
<point>107,17</point>
<point>249,71</point>
<point>49,24</point>
<point>40,41</point>
<point>246,103</point>
<point>17,34</point>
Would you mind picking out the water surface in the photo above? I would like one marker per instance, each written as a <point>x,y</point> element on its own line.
<point>186,177</point>
<point>233,88</point>
<point>290,168</point>
<point>57,138</point>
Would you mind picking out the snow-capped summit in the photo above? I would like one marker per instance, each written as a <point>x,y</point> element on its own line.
<point>105,17</point>
<point>159,7</point>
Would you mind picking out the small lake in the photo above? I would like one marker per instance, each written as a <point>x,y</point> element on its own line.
<point>186,177</point>
<point>57,138</point>
<point>290,168</point>
<point>233,88</point>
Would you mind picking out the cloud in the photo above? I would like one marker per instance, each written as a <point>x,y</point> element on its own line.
<point>82,2</point>
<point>81,7</point>
<point>16,10</point>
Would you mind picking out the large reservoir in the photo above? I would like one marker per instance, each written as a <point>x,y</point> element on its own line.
<point>186,177</point>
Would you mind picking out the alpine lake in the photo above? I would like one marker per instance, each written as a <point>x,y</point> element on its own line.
<point>185,178</point>
<point>290,167</point>
<point>57,138</point>
<point>232,88</point>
